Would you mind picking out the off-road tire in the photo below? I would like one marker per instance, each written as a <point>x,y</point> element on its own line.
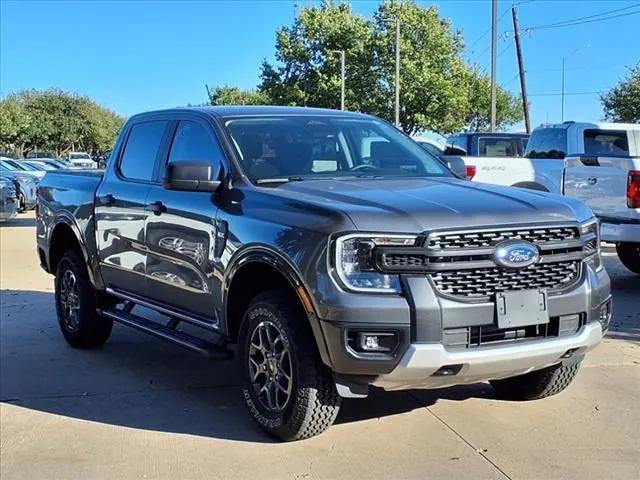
<point>629,255</point>
<point>92,329</point>
<point>538,384</point>
<point>314,402</point>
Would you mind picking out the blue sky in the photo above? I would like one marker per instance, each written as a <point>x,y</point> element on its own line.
<point>136,56</point>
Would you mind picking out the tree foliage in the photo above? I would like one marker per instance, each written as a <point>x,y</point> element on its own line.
<point>234,96</point>
<point>438,90</point>
<point>622,102</point>
<point>57,121</point>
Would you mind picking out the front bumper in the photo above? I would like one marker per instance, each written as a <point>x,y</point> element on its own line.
<point>421,361</point>
<point>423,349</point>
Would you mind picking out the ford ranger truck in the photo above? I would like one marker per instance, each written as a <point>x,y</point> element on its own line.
<point>326,267</point>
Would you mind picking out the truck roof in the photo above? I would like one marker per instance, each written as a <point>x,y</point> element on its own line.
<point>598,125</point>
<point>245,110</point>
<point>492,134</point>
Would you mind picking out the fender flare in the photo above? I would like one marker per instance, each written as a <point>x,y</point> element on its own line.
<point>267,255</point>
<point>67,219</point>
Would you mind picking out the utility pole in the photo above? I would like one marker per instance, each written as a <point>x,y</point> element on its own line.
<point>494,42</point>
<point>342,76</point>
<point>397,73</point>
<point>523,83</point>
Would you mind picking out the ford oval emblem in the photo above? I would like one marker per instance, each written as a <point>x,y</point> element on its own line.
<point>515,254</point>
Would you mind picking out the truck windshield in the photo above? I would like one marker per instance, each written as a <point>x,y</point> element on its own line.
<point>315,147</point>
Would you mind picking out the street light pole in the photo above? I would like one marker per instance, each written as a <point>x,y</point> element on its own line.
<point>342,76</point>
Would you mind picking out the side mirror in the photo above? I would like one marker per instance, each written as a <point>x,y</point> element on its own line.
<point>191,176</point>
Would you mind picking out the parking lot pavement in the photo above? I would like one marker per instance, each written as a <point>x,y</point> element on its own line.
<point>139,408</point>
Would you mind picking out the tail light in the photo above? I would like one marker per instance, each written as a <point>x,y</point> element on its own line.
<point>471,172</point>
<point>633,189</point>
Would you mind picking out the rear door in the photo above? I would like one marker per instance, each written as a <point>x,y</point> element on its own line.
<point>599,176</point>
<point>181,228</point>
<point>120,207</point>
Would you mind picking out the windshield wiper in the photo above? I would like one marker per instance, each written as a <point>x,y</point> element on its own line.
<point>268,181</point>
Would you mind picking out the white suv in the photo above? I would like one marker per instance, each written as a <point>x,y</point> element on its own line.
<point>81,159</point>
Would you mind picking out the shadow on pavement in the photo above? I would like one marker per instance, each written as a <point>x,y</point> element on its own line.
<point>139,382</point>
<point>20,221</point>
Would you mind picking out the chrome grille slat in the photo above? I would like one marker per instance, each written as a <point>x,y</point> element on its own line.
<point>485,282</point>
<point>489,238</point>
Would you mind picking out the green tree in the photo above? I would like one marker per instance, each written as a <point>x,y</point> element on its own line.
<point>234,96</point>
<point>438,90</point>
<point>622,102</point>
<point>478,110</point>
<point>14,125</point>
<point>56,120</point>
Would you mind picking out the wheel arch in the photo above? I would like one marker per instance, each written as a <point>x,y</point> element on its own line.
<point>65,236</point>
<point>260,269</point>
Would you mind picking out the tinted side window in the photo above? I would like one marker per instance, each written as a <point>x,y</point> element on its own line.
<point>606,142</point>
<point>192,142</point>
<point>139,156</point>
<point>547,143</point>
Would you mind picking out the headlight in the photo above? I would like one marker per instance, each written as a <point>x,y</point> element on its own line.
<point>24,179</point>
<point>354,262</point>
<point>590,234</point>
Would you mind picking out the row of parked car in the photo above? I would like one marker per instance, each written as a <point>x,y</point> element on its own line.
<point>19,177</point>
<point>598,163</point>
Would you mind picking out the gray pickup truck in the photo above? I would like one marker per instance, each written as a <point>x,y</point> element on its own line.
<point>331,250</point>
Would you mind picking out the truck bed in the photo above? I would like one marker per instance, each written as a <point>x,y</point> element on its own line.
<point>68,195</point>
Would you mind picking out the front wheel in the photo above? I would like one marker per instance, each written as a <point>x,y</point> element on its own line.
<point>537,384</point>
<point>629,255</point>
<point>76,305</point>
<point>287,389</point>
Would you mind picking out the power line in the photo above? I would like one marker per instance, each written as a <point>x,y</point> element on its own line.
<point>470,47</point>
<point>559,94</point>
<point>587,19</point>
<point>506,48</point>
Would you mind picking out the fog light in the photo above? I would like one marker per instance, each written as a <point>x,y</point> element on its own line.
<point>373,342</point>
<point>605,315</point>
<point>370,342</point>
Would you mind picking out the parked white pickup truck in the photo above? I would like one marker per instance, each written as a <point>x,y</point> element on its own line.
<point>595,162</point>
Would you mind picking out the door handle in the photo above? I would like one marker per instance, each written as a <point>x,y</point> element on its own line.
<point>592,180</point>
<point>157,207</point>
<point>107,200</point>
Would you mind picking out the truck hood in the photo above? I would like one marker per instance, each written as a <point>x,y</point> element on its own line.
<point>419,204</point>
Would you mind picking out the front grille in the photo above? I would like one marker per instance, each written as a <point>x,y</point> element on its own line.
<point>484,239</point>
<point>485,282</point>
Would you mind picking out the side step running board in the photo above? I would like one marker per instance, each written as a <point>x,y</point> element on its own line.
<point>163,332</point>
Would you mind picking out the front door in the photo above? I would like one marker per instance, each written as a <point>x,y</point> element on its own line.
<point>181,231</point>
<point>120,208</point>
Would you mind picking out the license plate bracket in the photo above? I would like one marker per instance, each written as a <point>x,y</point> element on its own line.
<point>521,308</point>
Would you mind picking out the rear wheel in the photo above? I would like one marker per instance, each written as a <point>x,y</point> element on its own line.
<point>287,389</point>
<point>538,384</point>
<point>629,255</point>
<point>76,305</point>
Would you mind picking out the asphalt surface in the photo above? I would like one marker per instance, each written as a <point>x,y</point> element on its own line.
<point>140,408</point>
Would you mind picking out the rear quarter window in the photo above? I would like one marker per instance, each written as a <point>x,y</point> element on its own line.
<point>547,143</point>
<point>606,142</point>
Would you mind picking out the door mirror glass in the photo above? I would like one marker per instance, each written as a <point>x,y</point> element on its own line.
<point>191,176</point>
